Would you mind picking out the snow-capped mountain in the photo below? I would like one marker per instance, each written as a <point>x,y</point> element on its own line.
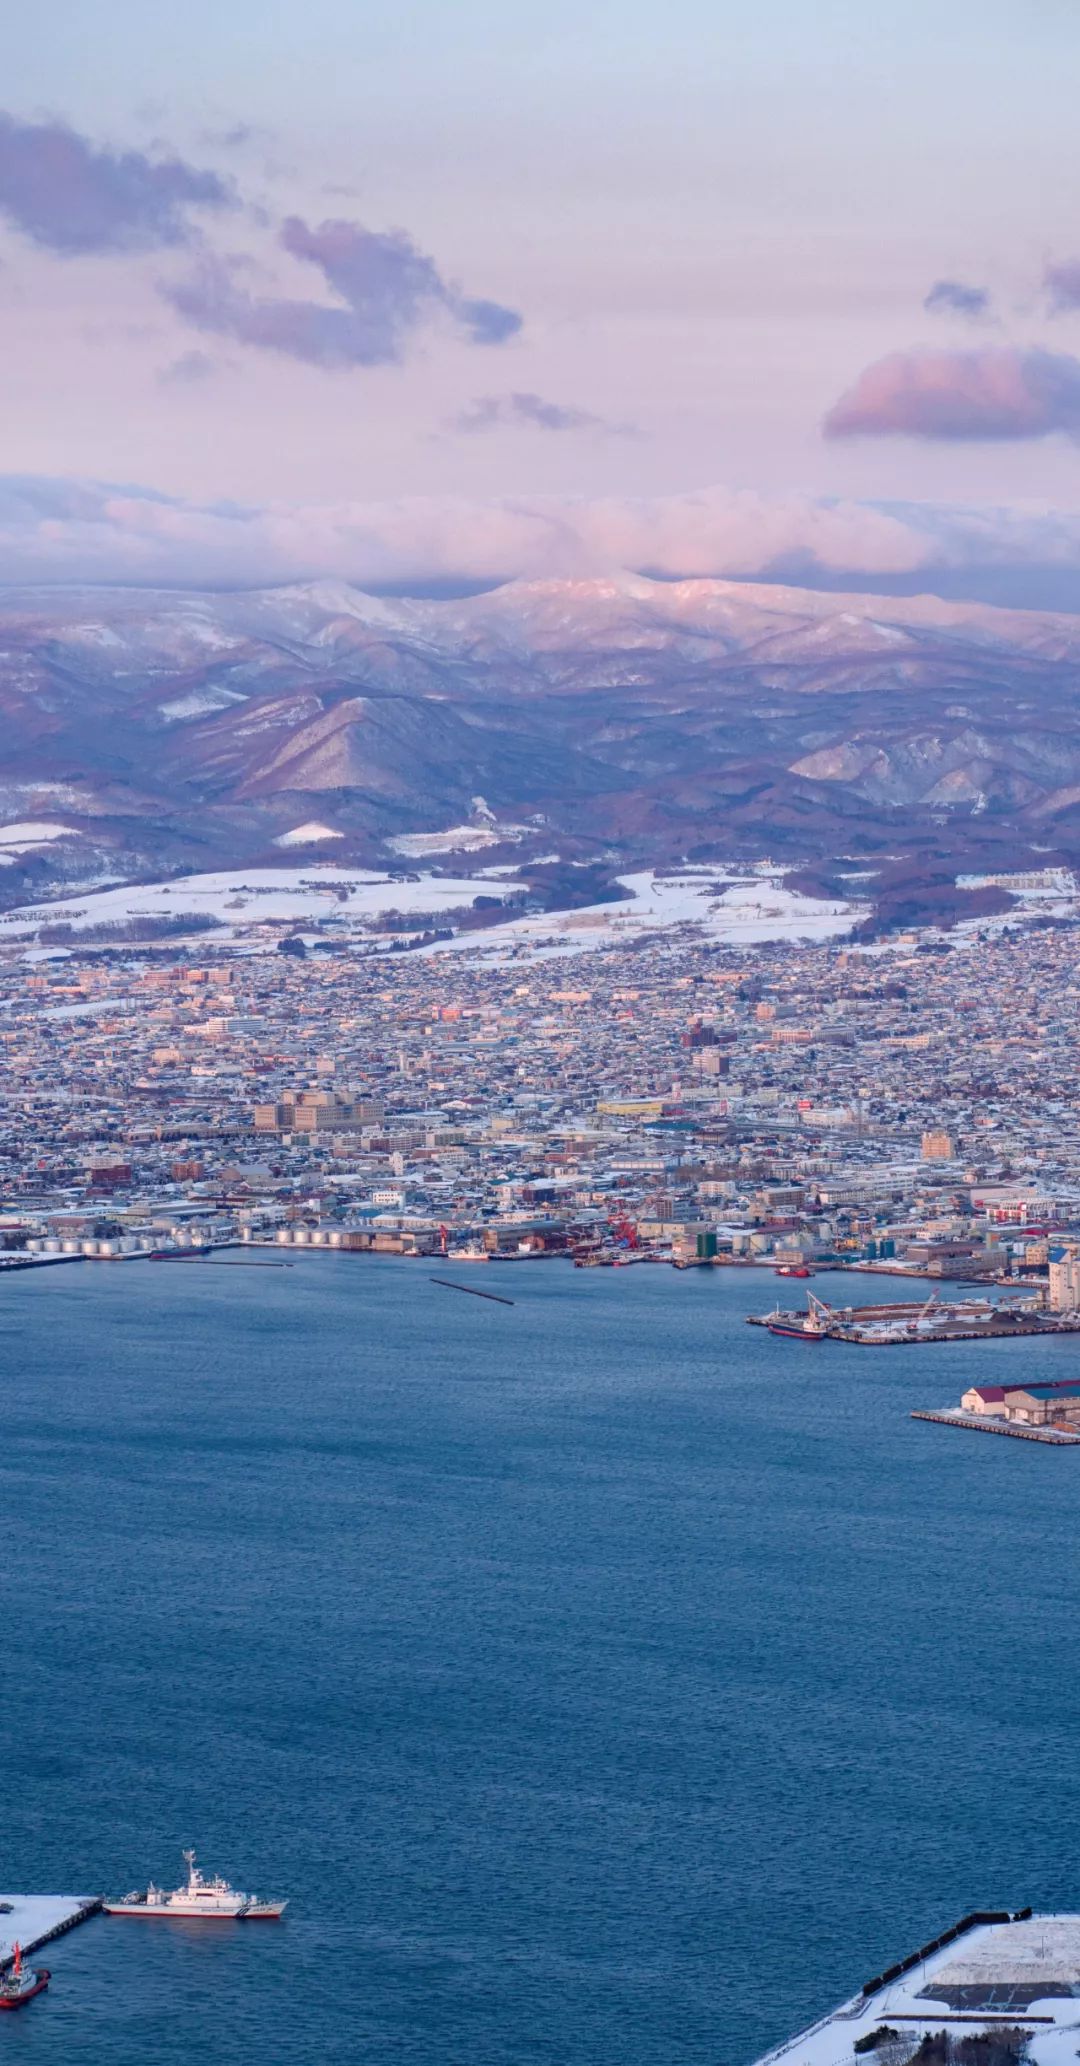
<point>621,717</point>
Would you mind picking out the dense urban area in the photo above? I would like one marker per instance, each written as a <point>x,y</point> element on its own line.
<point>790,1104</point>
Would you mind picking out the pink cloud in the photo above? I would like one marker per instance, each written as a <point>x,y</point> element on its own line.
<point>1004,393</point>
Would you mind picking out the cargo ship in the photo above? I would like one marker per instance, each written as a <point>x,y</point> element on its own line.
<point>210,1900</point>
<point>796,1326</point>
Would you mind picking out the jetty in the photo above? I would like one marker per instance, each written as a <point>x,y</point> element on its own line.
<point>473,1290</point>
<point>33,1920</point>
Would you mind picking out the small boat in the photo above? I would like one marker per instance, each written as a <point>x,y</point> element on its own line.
<point>210,1900</point>
<point>794,1270</point>
<point>22,1982</point>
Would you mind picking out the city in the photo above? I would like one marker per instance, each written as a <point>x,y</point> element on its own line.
<point>788,1104</point>
<point>539,1033</point>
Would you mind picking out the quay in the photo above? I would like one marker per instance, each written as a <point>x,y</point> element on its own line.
<point>1013,1330</point>
<point>983,1424</point>
<point>889,1326</point>
<point>33,1920</point>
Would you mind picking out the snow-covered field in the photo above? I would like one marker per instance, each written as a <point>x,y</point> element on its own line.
<point>752,908</point>
<point>243,898</point>
<point>740,907</point>
<point>28,836</point>
<point>457,839</point>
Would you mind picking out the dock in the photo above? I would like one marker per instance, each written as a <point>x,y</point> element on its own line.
<point>901,1325</point>
<point>985,1424</point>
<point>33,1920</point>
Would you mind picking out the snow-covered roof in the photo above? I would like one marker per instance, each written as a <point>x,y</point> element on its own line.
<point>988,1976</point>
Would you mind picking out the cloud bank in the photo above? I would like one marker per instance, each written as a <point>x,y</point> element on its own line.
<point>71,198</point>
<point>1005,393</point>
<point>84,531</point>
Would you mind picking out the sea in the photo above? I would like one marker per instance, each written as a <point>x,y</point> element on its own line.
<point>603,1681</point>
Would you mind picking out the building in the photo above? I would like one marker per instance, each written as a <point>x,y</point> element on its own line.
<point>1034,1405</point>
<point>318,1111</point>
<point>1041,1405</point>
<point>937,1145</point>
<point>1064,1275</point>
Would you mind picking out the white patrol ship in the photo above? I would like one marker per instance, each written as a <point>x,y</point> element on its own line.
<point>212,1899</point>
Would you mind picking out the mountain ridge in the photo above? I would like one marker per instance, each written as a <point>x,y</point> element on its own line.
<point>631,719</point>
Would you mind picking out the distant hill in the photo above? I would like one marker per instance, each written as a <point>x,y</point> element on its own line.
<point>611,721</point>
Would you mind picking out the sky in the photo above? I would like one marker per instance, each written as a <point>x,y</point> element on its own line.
<point>441,294</point>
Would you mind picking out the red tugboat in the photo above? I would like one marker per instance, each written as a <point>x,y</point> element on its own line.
<point>21,1984</point>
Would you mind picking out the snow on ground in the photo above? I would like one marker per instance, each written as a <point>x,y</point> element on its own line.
<point>243,898</point>
<point>307,835</point>
<point>744,911</point>
<point>1045,888</point>
<point>200,703</point>
<point>60,793</point>
<point>753,908</point>
<point>498,868</point>
<point>33,1916</point>
<point>1040,892</point>
<point>457,839</point>
<point>28,837</point>
<point>32,832</point>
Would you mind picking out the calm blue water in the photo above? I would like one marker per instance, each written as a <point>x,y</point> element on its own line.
<point>606,1683</point>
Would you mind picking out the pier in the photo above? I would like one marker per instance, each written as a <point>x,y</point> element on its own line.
<point>984,1424</point>
<point>894,1325</point>
<point>34,1920</point>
